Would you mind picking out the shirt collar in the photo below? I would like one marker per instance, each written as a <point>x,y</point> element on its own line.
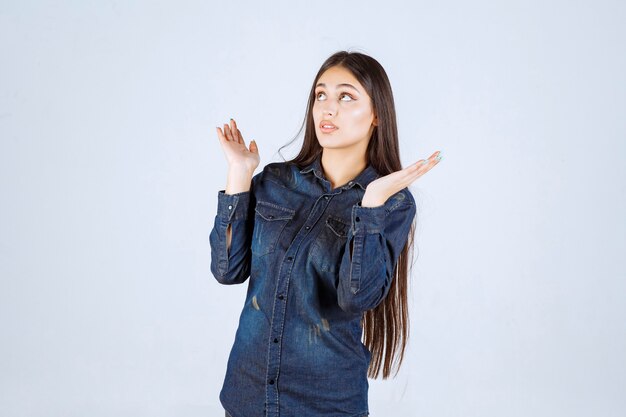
<point>363,179</point>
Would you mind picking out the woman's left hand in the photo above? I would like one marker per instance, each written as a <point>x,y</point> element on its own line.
<point>379,190</point>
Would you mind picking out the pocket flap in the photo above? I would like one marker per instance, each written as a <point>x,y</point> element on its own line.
<point>338,226</point>
<point>270,211</point>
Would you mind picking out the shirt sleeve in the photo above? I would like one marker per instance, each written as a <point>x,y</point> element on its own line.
<point>232,265</point>
<point>377,237</point>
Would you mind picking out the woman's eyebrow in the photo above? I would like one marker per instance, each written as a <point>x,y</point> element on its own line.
<point>339,85</point>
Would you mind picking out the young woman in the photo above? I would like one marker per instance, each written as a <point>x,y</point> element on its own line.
<point>324,239</point>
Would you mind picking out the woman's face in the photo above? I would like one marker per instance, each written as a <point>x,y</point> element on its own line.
<point>340,100</point>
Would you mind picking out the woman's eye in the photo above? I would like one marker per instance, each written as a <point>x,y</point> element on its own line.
<point>342,95</point>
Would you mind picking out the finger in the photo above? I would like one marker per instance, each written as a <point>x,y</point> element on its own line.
<point>241,137</point>
<point>432,161</point>
<point>416,166</point>
<point>228,133</point>
<point>423,166</point>
<point>236,133</point>
<point>253,147</point>
<point>427,163</point>
<point>220,134</point>
<point>232,131</point>
<point>434,155</point>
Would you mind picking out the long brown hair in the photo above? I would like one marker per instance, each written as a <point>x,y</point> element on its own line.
<point>386,327</point>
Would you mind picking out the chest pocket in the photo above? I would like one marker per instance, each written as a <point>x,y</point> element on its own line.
<point>328,247</point>
<point>269,221</point>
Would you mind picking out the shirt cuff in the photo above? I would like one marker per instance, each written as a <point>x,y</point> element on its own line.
<point>369,220</point>
<point>232,207</point>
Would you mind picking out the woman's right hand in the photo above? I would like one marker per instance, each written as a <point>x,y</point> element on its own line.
<point>237,153</point>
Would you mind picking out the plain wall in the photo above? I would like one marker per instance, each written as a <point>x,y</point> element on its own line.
<point>110,168</point>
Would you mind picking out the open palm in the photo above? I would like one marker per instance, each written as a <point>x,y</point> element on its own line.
<point>235,149</point>
<point>379,190</point>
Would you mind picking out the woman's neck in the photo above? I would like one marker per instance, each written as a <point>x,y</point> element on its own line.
<point>340,167</point>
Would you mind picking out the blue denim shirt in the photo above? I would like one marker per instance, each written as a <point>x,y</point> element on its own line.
<point>298,349</point>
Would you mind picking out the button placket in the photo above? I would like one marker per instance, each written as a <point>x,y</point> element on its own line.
<point>279,310</point>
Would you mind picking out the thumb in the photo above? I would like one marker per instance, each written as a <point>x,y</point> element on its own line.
<point>253,147</point>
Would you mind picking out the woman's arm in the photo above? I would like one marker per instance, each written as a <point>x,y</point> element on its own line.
<point>380,227</point>
<point>231,236</point>
<point>375,241</point>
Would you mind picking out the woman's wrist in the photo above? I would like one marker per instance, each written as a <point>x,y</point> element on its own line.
<point>239,180</point>
<point>372,201</point>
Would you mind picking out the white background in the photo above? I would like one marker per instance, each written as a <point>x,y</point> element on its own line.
<point>110,167</point>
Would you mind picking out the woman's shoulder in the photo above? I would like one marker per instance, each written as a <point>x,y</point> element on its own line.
<point>282,173</point>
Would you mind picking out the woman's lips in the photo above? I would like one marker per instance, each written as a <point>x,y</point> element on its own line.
<point>327,127</point>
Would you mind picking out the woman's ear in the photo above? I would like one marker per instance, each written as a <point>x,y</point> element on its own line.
<point>375,122</point>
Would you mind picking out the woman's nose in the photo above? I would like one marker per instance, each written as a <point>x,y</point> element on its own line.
<point>329,109</point>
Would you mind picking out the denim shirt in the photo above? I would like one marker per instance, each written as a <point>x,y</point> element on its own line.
<point>297,350</point>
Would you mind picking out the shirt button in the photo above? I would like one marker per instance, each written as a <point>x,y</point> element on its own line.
<point>350,183</point>
<point>289,258</point>
<point>275,340</point>
<point>270,216</point>
<point>230,207</point>
<point>326,197</point>
<point>307,227</point>
<point>280,297</point>
<point>271,382</point>
<point>358,219</point>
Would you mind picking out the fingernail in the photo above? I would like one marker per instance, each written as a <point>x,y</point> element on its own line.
<point>439,157</point>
